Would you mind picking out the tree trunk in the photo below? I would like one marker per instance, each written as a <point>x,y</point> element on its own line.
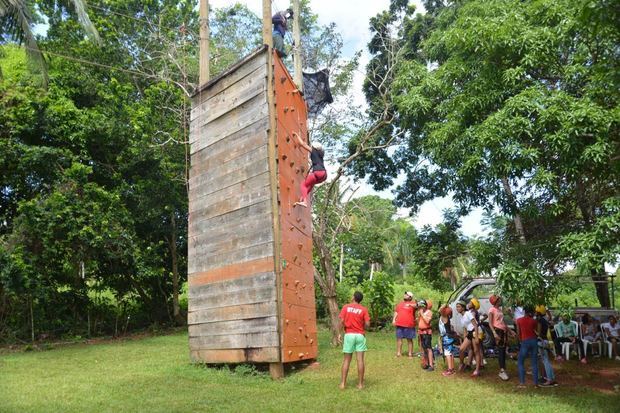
<point>372,270</point>
<point>602,287</point>
<point>341,261</point>
<point>327,285</point>
<point>516,216</point>
<point>176,310</point>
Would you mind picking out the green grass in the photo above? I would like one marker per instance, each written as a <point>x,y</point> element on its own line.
<point>154,375</point>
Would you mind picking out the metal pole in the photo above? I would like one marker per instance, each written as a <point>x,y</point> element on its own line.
<point>204,42</point>
<point>267,31</point>
<point>298,77</point>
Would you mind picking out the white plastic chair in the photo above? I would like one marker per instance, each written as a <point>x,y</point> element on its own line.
<point>565,345</point>
<point>587,343</point>
<point>610,345</point>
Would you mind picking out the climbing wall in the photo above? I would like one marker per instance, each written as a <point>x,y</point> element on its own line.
<point>250,273</point>
<point>299,334</point>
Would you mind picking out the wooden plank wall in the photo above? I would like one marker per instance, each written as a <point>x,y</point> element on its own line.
<point>299,332</point>
<point>232,283</point>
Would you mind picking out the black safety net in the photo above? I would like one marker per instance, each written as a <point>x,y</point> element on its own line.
<point>316,91</point>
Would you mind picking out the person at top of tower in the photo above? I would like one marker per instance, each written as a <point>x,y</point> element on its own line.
<point>280,26</point>
<point>317,174</point>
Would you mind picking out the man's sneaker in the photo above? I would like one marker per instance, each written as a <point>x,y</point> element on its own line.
<point>448,373</point>
<point>584,361</point>
<point>502,375</point>
<point>553,383</point>
<point>430,368</point>
<point>617,358</point>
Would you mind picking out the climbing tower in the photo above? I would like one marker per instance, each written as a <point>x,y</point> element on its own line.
<point>250,272</point>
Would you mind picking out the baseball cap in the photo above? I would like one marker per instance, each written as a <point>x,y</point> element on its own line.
<point>409,293</point>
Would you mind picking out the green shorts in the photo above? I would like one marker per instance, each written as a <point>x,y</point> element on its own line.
<point>354,342</point>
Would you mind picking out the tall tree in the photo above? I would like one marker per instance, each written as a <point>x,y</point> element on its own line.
<point>513,105</point>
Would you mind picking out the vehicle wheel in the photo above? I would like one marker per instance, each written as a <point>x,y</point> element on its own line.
<point>489,340</point>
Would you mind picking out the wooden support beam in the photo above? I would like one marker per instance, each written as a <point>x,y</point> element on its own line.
<point>204,42</point>
<point>267,30</point>
<point>297,77</point>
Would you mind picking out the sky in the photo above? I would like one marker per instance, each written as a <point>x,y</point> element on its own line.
<point>352,20</point>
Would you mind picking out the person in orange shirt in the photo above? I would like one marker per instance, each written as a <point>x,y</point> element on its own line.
<point>354,319</point>
<point>404,320</point>
<point>426,334</point>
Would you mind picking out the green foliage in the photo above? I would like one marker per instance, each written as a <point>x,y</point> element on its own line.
<point>379,297</point>
<point>517,112</point>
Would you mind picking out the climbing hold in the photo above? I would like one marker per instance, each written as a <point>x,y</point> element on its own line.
<point>301,355</point>
<point>296,282</point>
<point>290,352</point>
<point>284,157</point>
<point>287,318</point>
<point>285,109</point>
<point>300,246</point>
<point>311,340</point>
<point>300,328</point>
<point>292,163</point>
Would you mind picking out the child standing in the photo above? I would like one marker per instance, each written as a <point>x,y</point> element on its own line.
<point>426,334</point>
<point>447,338</point>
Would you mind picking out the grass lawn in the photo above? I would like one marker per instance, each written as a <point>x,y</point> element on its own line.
<point>153,374</point>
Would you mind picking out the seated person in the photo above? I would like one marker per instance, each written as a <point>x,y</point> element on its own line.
<point>280,26</point>
<point>590,330</point>
<point>612,330</point>
<point>567,333</point>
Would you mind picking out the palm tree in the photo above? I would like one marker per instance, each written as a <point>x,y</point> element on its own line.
<point>17,21</point>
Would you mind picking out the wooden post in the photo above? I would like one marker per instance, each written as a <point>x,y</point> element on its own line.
<point>204,42</point>
<point>298,77</point>
<point>267,31</point>
<point>276,370</point>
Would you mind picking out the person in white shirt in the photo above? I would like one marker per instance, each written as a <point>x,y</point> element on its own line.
<point>612,330</point>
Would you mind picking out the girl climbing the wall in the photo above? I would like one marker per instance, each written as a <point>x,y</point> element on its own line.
<point>317,174</point>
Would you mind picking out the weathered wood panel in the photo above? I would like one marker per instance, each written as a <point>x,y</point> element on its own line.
<point>233,146</point>
<point>233,312</point>
<point>200,100</point>
<point>268,339</point>
<point>235,95</point>
<point>258,294</point>
<point>231,218</point>
<point>250,325</point>
<point>217,260</point>
<point>246,355</point>
<point>231,272</point>
<point>231,173</point>
<point>248,113</point>
<point>232,286</point>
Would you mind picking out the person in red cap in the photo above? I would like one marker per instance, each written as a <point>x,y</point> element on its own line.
<point>500,333</point>
<point>404,320</point>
